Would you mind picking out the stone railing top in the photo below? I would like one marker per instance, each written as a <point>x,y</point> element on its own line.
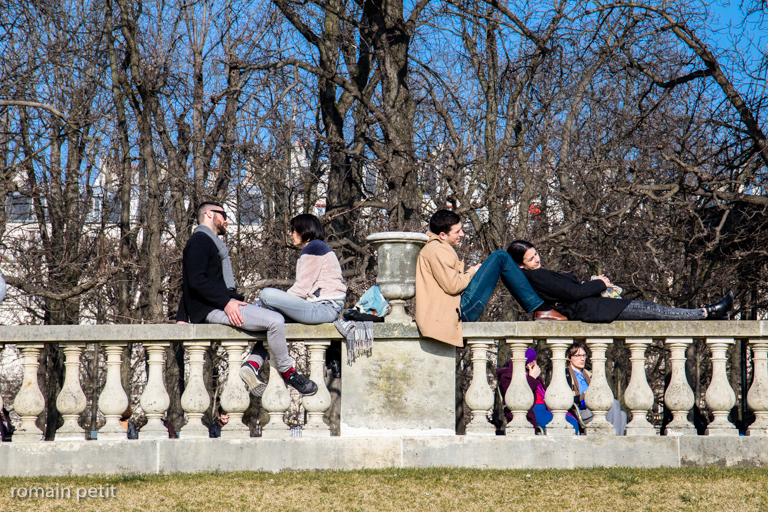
<point>635,329</point>
<point>152,332</point>
<point>397,236</point>
<point>644,328</point>
<point>382,332</point>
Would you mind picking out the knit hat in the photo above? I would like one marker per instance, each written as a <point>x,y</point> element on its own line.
<point>530,355</point>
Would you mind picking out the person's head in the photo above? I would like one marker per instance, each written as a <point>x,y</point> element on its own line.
<point>447,225</point>
<point>577,355</point>
<point>524,253</point>
<point>305,228</point>
<point>212,214</point>
<point>530,359</point>
<point>127,413</point>
<point>223,416</point>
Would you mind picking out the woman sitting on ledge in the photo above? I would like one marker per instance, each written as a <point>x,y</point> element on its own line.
<point>318,294</point>
<point>578,300</point>
<point>316,297</point>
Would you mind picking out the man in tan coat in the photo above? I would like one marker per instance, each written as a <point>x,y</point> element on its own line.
<point>447,294</point>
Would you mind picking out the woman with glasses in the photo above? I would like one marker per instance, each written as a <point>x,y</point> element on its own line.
<point>578,300</point>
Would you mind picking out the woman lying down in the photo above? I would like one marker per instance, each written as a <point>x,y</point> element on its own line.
<point>578,300</point>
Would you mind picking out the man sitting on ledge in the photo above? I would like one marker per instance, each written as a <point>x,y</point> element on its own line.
<point>209,294</point>
<point>447,294</point>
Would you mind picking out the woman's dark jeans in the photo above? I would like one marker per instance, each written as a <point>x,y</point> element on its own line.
<point>480,288</point>
<point>646,310</point>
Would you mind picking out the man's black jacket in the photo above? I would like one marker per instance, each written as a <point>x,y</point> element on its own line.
<point>202,280</point>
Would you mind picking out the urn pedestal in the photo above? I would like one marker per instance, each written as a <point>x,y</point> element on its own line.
<point>405,387</point>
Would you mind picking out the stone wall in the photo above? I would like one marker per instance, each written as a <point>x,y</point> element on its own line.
<point>397,405</point>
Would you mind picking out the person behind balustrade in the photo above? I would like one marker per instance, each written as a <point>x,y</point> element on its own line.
<point>131,431</point>
<point>579,378</point>
<point>215,429</point>
<point>447,294</point>
<point>209,294</point>
<point>539,414</point>
<point>6,426</point>
<point>581,300</point>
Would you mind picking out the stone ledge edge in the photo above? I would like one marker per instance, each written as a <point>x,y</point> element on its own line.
<point>382,331</point>
<point>338,453</point>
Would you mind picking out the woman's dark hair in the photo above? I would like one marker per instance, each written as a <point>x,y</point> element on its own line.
<point>517,250</point>
<point>442,221</point>
<point>308,227</point>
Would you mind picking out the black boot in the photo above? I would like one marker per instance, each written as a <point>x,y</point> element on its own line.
<point>721,308</point>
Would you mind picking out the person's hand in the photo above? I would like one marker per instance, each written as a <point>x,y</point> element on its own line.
<point>534,370</point>
<point>604,279</point>
<point>475,268</point>
<point>232,309</point>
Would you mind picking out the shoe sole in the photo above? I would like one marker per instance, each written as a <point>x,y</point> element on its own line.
<point>308,394</point>
<point>302,394</point>
<point>255,385</point>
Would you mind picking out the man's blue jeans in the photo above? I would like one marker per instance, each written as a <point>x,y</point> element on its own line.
<point>480,288</point>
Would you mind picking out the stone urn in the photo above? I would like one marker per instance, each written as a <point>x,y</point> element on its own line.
<point>397,252</point>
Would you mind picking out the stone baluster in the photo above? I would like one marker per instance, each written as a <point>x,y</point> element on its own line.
<point>559,397</point>
<point>720,396</point>
<point>235,398</point>
<point>155,400</point>
<point>113,401</point>
<point>519,397</point>
<point>599,397</point>
<point>479,396</point>
<point>678,397</point>
<point>29,401</point>
<point>757,398</point>
<point>639,396</point>
<point>71,400</point>
<point>276,400</point>
<point>317,404</point>
<point>195,400</point>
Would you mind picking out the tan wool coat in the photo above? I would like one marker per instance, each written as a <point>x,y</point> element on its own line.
<point>440,279</point>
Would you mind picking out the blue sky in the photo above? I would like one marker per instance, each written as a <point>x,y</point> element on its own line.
<point>731,32</point>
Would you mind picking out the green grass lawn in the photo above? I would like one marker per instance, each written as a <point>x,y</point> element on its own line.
<point>711,489</point>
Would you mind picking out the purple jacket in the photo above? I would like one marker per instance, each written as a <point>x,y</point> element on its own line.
<point>504,374</point>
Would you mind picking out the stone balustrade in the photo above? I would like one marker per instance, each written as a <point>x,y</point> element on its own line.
<point>405,386</point>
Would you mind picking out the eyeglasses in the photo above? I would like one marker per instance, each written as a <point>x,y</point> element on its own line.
<point>221,212</point>
<point>580,356</point>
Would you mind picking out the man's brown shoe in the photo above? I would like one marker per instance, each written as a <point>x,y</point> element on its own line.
<point>548,315</point>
